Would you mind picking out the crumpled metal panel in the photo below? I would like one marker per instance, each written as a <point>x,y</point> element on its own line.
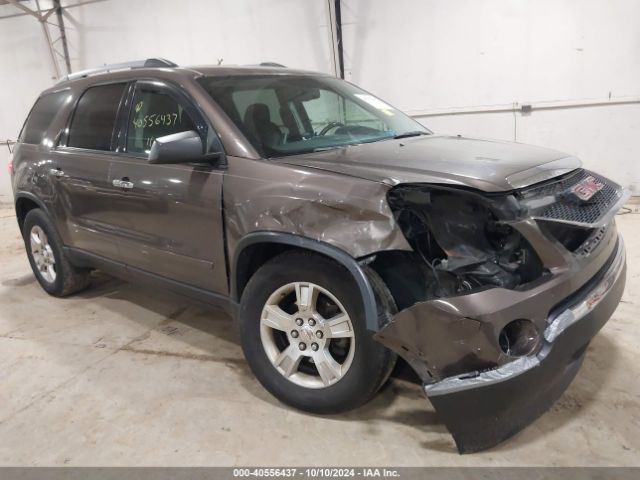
<point>482,407</point>
<point>438,341</point>
<point>456,335</point>
<point>346,212</point>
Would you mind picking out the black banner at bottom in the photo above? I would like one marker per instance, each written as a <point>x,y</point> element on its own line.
<point>404,473</point>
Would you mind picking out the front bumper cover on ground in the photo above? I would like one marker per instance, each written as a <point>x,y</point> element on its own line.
<point>484,408</point>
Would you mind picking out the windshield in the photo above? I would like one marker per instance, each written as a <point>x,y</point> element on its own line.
<point>287,115</point>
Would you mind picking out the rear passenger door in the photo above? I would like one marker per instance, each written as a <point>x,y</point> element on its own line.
<point>169,219</point>
<point>79,171</point>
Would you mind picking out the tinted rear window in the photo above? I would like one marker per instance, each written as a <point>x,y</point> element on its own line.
<point>41,116</point>
<point>95,116</point>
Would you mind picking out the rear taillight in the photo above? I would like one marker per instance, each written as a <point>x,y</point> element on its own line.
<point>10,164</point>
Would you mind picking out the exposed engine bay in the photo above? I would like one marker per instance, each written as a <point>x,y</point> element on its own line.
<point>462,242</point>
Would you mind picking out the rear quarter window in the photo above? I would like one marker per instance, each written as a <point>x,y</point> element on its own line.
<point>95,117</point>
<point>41,116</point>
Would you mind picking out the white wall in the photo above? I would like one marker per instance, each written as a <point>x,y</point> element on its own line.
<point>291,32</point>
<point>433,55</point>
<point>421,55</point>
<point>24,73</point>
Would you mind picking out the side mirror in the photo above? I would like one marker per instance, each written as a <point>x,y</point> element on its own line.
<point>178,148</point>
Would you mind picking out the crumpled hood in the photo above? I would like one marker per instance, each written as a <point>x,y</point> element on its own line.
<point>488,165</point>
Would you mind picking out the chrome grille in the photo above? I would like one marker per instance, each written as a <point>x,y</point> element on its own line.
<point>562,208</point>
<point>555,186</point>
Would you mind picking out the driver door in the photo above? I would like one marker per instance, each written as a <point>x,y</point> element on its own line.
<point>169,216</point>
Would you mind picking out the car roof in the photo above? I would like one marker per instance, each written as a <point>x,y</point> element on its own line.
<point>134,70</point>
<point>219,70</point>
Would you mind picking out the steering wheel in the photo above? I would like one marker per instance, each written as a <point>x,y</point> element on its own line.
<point>330,126</point>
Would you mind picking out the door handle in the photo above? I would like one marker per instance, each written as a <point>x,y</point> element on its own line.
<point>56,172</point>
<point>124,183</point>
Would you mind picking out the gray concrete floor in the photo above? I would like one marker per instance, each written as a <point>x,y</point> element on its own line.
<point>120,375</point>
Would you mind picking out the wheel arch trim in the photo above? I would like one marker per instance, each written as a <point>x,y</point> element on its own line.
<point>328,250</point>
<point>30,196</point>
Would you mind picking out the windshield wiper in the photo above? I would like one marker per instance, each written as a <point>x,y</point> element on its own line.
<point>332,147</point>
<point>410,134</point>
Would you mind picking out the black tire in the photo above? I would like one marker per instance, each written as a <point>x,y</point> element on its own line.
<point>68,279</point>
<point>371,363</point>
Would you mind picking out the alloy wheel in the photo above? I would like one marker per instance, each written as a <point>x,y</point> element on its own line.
<point>42,254</point>
<point>307,335</point>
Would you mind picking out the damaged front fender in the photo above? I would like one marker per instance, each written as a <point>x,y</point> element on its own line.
<point>346,212</point>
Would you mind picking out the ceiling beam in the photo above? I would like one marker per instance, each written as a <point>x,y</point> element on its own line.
<point>48,11</point>
<point>63,34</point>
<point>42,19</point>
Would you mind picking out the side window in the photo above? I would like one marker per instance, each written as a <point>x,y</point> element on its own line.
<point>154,114</point>
<point>95,117</point>
<point>41,116</point>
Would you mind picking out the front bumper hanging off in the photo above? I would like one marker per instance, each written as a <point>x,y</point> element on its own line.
<point>484,408</point>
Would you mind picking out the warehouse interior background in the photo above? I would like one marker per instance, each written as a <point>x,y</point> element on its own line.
<point>125,375</point>
<point>458,66</point>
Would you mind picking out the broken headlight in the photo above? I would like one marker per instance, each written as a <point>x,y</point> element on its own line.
<point>464,238</point>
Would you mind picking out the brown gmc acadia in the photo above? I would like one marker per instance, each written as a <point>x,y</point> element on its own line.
<point>337,230</point>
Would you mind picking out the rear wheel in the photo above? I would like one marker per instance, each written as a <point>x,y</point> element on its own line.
<point>50,265</point>
<point>304,335</point>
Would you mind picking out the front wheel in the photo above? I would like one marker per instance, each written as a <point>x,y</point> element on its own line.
<point>304,335</point>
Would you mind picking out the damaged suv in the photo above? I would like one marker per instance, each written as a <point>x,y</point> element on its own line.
<point>337,230</point>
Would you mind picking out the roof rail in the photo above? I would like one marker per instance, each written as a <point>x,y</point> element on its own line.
<point>272,64</point>
<point>148,63</point>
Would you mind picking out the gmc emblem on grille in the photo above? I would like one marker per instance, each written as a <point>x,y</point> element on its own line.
<point>586,188</point>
